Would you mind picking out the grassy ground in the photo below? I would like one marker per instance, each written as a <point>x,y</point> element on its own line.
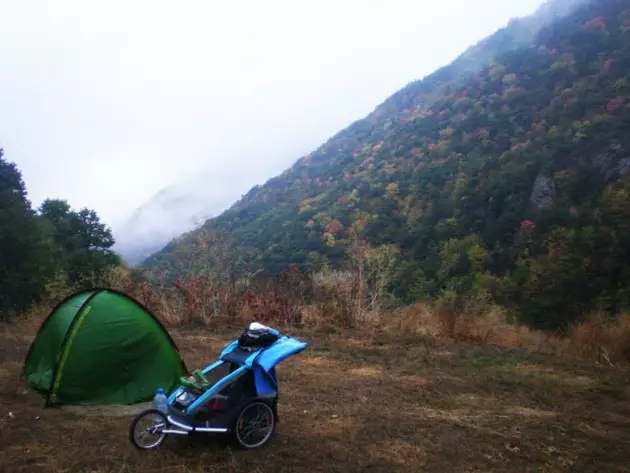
<point>356,403</point>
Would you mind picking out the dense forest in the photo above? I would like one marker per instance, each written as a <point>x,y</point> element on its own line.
<point>46,252</point>
<point>503,174</point>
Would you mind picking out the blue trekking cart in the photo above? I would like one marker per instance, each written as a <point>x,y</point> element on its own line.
<point>235,395</point>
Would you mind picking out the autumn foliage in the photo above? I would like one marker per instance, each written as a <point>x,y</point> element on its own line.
<point>503,174</point>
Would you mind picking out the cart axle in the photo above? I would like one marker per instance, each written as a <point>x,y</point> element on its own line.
<point>191,428</point>
<point>178,432</point>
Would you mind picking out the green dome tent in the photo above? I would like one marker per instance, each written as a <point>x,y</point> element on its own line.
<point>102,347</point>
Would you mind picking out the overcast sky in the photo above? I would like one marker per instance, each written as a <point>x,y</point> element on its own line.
<point>104,103</point>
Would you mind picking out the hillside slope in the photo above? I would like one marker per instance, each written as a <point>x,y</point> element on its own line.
<point>504,172</point>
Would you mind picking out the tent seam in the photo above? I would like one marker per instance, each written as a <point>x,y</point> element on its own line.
<point>46,321</point>
<point>51,398</point>
<point>66,350</point>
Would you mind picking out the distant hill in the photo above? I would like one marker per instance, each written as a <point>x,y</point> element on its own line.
<point>169,214</point>
<point>177,210</point>
<point>504,172</point>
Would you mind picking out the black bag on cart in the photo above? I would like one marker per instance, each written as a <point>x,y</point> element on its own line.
<point>255,338</point>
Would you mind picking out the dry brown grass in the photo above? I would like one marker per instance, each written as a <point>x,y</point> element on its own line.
<point>487,327</point>
<point>357,402</point>
<point>333,305</point>
<point>599,338</point>
<point>28,324</point>
<point>443,389</point>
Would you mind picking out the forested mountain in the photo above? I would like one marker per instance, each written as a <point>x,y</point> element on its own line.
<point>505,172</point>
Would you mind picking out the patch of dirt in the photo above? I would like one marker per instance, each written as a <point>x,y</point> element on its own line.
<point>107,411</point>
<point>350,405</point>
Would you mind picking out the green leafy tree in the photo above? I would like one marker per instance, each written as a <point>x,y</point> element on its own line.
<point>81,243</point>
<point>25,258</point>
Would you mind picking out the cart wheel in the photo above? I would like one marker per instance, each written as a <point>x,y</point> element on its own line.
<point>255,425</point>
<point>146,430</point>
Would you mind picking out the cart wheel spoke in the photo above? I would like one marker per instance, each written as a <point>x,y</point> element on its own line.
<point>255,425</point>
<point>147,429</point>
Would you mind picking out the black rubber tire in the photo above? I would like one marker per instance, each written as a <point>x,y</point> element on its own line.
<point>235,437</point>
<point>137,419</point>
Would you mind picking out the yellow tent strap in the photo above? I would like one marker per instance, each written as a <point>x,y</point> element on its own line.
<point>64,356</point>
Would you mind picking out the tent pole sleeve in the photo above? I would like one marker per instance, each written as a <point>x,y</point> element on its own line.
<point>65,348</point>
<point>45,322</point>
